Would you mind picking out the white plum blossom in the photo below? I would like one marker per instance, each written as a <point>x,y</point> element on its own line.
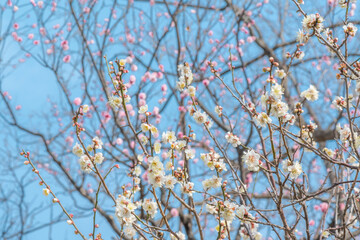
<point>143,109</point>
<point>187,188</point>
<point>262,119</point>
<point>169,181</point>
<point>295,170</point>
<point>350,29</point>
<point>345,133</point>
<point>211,209</point>
<point>279,109</point>
<point>179,234</point>
<point>232,139</point>
<point>192,91</point>
<point>252,160</point>
<point>280,73</point>
<point>168,137</point>
<point>145,127</point>
<point>213,161</point>
<point>85,163</point>
<point>302,37</point>
<point>228,212</point>
<point>311,94</point>
<point>185,76</point>
<point>157,147</point>
<point>97,143</point>
<point>98,158</point>
<point>77,150</point>
<point>339,103</point>
<point>344,3</point>
<point>190,153</point>
<point>277,91</point>
<point>313,21</point>
<point>213,182</point>
<point>200,117</point>
<point>129,231</point>
<point>218,110</point>
<point>124,209</point>
<point>150,207</point>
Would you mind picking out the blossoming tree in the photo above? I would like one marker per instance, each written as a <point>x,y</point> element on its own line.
<point>182,119</point>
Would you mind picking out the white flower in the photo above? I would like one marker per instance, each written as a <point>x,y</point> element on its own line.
<point>279,109</point>
<point>187,188</point>
<point>295,170</point>
<point>285,165</point>
<point>85,108</point>
<point>85,163</point>
<point>179,145</point>
<point>311,94</point>
<point>137,170</point>
<point>211,209</point>
<point>345,133</point>
<point>213,161</point>
<point>218,110</point>
<point>262,119</point>
<point>277,91</point>
<point>190,153</point>
<point>168,136</point>
<point>143,109</point>
<point>179,234</point>
<point>228,212</point>
<point>150,207</point>
<point>213,182</point>
<point>157,147</point>
<point>98,158</point>
<point>77,150</point>
<point>185,77</point>
<point>232,139</point>
<point>343,3</point>
<point>192,91</point>
<point>339,103</point>
<point>350,29</point>
<point>313,21</point>
<point>325,234</point>
<point>115,102</point>
<point>155,166</point>
<point>280,73</point>
<point>97,143</point>
<point>242,211</point>
<point>264,100</point>
<point>156,179</point>
<point>154,131</point>
<point>145,127</point>
<point>200,117</point>
<point>170,181</point>
<point>46,191</point>
<point>251,159</point>
<point>129,231</point>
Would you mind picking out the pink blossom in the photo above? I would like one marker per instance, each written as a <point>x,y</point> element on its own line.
<point>324,207</point>
<point>77,101</point>
<point>67,58</point>
<point>174,212</point>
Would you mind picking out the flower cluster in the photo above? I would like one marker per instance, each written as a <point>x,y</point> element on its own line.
<point>313,21</point>
<point>232,139</point>
<point>311,94</point>
<point>350,29</point>
<point>86,164</point>
<point>229,211</point>
<point>213,161</point>
<point>185,76</point>
<point>294,168</point>
<point>213,182</point>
